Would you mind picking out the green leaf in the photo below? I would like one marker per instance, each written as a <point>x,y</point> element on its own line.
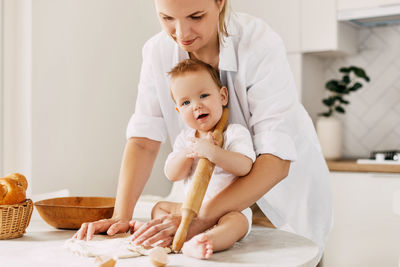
<point>345,70</point>
<point>329,101</point>
<point>359,72</point>
<point>342,100</point>
<point>332,85</point>
<point>342,89</point>
<point>335,86</point>
<point>355,87</point>
<point>340,109</point>
<point>346,79</point>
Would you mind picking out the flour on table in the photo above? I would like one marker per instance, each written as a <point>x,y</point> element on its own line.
<point>118,245</point>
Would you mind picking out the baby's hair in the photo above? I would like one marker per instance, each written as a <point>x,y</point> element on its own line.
<point>193,65</point>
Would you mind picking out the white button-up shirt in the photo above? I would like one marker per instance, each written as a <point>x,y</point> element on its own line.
<point>263,98</point>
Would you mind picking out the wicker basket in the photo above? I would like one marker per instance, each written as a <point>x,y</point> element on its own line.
<point>14,219</point>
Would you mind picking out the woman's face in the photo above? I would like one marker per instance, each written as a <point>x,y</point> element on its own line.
<point>192,24</point>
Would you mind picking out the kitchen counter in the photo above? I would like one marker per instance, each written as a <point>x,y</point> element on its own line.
<point>42,246</point>
<point>353,166</point>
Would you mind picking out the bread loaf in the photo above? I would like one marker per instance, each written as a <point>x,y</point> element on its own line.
<point>13,189</point>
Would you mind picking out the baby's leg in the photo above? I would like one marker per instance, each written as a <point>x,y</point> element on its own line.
<point>162,208</point>
<point>230,228</point>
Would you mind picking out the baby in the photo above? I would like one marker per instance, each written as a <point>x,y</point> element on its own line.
<point>200,98</point>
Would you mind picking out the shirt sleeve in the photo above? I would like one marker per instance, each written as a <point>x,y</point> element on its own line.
<point>237,138</point>
<point>147,120</point>
<point>272,99</point>
<point>179,145</point>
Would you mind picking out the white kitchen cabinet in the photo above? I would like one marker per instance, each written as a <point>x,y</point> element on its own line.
<point>284,17</point>
<point>322,33</point>
<point>308,26</point>
<point>358,4</point>
<point>366,230</point>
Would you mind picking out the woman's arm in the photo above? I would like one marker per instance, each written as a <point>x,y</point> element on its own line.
<point>138,159</point>
<point>232,162</point>
<point>178,167</point>
<point>136,166</point>
<point>268,170</point>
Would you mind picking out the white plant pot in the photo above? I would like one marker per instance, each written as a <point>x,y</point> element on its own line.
<point>329,130</point>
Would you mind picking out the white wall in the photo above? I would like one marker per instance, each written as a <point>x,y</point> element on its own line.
<point>86,64</point>
<point>1,86</point>
<point>86,58</point>
<point>16,87</point>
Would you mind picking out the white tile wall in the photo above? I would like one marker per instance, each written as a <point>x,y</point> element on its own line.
<point>372,119</point>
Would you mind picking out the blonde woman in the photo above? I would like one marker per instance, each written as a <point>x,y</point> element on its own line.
<point>289,179</point>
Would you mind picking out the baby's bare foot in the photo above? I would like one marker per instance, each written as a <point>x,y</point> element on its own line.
<point>199,247</point>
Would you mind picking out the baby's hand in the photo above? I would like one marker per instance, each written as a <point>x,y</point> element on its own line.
<point>201,147</point>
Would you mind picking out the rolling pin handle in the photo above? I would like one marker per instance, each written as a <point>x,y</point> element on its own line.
<point>187,217</point>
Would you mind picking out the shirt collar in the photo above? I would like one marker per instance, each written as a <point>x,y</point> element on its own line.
<point>180,54</point>
<point>227,55</point>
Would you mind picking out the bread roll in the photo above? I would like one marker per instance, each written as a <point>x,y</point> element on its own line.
<point>13,189</point>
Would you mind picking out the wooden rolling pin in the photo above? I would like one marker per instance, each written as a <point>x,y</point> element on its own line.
<point>198,188</point>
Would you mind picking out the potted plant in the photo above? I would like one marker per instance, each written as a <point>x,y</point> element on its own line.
<point>329,128</point>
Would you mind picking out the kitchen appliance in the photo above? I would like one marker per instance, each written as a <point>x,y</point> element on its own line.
<point>382,157</point>
<point>370,17</point>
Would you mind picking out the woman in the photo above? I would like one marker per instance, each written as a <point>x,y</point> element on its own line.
<point>289,179</point>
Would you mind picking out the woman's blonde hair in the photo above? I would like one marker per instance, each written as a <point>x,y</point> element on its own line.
<point>223,16</point>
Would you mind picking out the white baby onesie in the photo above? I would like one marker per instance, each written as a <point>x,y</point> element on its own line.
<point>237,139</point>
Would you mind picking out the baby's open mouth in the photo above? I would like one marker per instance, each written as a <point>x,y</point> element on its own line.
<point>202,116</point>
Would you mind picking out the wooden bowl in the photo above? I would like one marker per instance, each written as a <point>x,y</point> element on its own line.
<point>71,212</point>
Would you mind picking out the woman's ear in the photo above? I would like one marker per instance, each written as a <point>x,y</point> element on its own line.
<point>221,4</point>
<point>224,95</point>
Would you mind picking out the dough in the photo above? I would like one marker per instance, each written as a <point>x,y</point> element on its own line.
<point>118,245</point>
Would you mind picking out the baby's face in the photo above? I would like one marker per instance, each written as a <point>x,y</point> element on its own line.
<point>198,99</point>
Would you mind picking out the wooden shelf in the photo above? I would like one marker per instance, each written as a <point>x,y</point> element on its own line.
<point>353,166</point>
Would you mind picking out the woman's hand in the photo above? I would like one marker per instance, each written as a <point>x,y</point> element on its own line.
<point>160,231</point>
<point>112,226</point>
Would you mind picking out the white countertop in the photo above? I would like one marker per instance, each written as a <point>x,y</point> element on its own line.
<point>42,246</point>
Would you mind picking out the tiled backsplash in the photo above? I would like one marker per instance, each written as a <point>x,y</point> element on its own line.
<point>372,119</point>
